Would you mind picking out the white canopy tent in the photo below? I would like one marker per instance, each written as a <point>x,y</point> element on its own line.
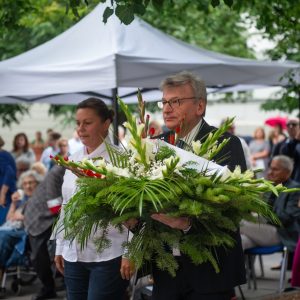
<point>96,58</point>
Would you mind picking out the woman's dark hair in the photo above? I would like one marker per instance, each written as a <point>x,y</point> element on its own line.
<point>99,107</point>
<point>26,146</point>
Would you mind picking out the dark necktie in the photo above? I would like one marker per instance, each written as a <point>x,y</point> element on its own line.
<point>180,144</point>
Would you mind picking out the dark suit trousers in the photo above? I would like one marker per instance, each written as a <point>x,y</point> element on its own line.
<point>179,287</point>
<point>41,260</point>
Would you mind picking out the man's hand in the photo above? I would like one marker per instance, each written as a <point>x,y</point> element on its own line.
<point>59,263</point>
<point>181,223</point>
<point>127,268</point>
<point>76,171</point>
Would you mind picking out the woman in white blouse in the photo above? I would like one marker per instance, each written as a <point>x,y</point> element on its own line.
<point>89,274</point>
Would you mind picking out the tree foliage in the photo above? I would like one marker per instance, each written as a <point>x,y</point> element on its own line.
<point>125,10</point>
<point>10,114</point>
<point>278,21</point>
<point>217,29</point>
<point>25,24</point>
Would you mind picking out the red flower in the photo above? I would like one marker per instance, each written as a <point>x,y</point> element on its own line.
<point>66,158</point>
<point>151,131</point>
<point>88,173</point>
<point>56,157</point>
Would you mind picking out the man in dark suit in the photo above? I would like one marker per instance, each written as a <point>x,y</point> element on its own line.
<point>184,98</point>
<point>285,206</point>
<point>38,221</point>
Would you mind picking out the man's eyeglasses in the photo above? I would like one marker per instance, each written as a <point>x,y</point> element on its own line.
<point>176,102</point>
<point>291,125</point>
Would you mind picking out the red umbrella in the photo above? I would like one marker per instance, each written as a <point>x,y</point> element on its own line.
<point>276,121</point>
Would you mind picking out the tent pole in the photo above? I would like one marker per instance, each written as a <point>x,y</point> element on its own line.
<point>116,118</point>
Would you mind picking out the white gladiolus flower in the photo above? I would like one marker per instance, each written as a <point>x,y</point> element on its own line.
<point>131,144</point>
<point>100,163</point>
<point>168,161</point>
<point>226,173</point>
<point>118,171</point>
<point>164,169</point>
<point>89,161</point>
<point>196,146</point>
<point>150,150</point>
<point>132,160</point>
<point>140,128</point>
<point>249,174</point>
<point>237,173</point>
<point>127,125</point>
<point>210,136</point>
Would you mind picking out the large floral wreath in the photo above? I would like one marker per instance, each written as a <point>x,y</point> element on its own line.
<point>152,176</point>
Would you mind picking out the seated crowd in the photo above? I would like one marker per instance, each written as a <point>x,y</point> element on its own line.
<point>30,194</point>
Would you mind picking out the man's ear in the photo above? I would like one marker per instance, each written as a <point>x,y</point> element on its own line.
<point>201,106</point>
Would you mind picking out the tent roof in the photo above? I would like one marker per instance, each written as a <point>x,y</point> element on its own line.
<point>92,56</point>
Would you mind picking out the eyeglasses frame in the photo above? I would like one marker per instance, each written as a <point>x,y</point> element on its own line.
<point>161,104</point>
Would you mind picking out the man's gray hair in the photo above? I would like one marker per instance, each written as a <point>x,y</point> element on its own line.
<point>183,78</point>
<point>286,162</point>
<point>38,177</point>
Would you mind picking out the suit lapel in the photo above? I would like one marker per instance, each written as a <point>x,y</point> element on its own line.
<point>205,129</point>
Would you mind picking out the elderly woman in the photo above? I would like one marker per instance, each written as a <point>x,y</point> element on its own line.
<point>12,231</point>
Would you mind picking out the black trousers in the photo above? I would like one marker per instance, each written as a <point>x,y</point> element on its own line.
<point>179,287</point>
<point>40,259</point>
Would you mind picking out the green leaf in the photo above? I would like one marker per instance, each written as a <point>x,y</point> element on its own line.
<point>157,4</point>
<point>215,3</point>
<point>228,2</point>
<point>139,8</point>
<point>107,13</point>
<point>125,13</point>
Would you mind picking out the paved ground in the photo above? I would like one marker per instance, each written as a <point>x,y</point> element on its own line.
<point>267,287</point>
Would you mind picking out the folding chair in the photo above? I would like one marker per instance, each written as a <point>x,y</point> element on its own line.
<point>250,255</point>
